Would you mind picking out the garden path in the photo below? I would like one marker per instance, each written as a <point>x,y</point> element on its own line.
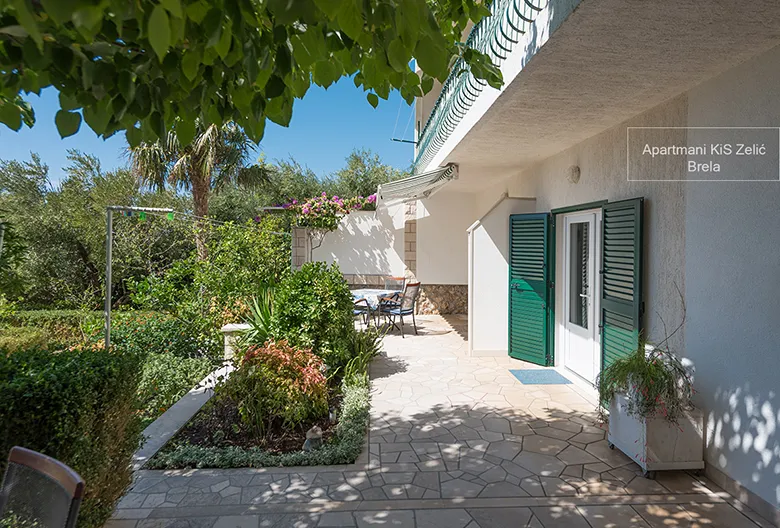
<point>455,442</point>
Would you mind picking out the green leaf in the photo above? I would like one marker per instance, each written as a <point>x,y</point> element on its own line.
<point>190,64</point>
<point>159,32</point>
<point>10,115</point>
<point>185,131</point>
<point>88,19</point>
<point>329,7</point>
<point>60,10</point>
<point>97,116</point>
<point>285,11</point>
<point>67,102</point>
<point>309,47</point>
<point>223,46</point>
<point>134,136</point>
<point>373,99</point>
<point>326,73</point>
<point>126,83</point>
<point>173,7</point>
<point>68,123</point>
<point>350,19</point>
<point>197,11</point>
<point>24,14</point>
<point>398,56</point>
<point>431,58</point>
<point>279,110</point>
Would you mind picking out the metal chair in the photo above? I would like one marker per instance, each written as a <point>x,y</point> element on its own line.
<point>395,283</point>
<point>392,307</point>
<point>39,491</point>
<point>362,309</point>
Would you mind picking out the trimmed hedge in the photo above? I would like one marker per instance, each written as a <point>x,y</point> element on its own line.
<point>15,339</point>
<point>343,448</point>
<point>60,325</point>
<point>78,406</point>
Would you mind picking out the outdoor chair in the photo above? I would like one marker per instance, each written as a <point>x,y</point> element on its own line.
<point>362,309</point>
<point>398,306</point>
<point>395,283</point>
<point>39,491</point>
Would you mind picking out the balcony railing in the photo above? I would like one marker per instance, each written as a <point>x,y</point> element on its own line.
<point>495,35</point>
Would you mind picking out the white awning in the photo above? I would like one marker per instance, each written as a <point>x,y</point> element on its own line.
<point>418,186</point>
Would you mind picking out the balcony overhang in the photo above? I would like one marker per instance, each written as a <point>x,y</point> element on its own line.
<point>418,186</point>
<point>571,77</point>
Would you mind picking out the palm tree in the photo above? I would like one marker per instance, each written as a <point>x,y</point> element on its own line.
<point>215,158</point>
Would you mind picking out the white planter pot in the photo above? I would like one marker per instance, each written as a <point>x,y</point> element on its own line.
<point>655,444</point>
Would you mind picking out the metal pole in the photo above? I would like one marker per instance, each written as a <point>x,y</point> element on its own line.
<point>2,234</point>
<point>109,243</point>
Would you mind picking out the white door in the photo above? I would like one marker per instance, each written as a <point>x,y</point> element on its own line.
<point>581,242</point>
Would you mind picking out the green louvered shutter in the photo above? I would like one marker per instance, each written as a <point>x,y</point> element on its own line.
<point>529,288</point>
<point>621,274</point>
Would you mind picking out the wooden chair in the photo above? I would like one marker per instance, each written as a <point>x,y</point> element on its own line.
<point>401,306</point>
<point>39,491</point>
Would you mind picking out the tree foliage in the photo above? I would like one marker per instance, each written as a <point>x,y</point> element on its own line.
<point>62,229</point>
<point>140,66</point>
<point>215,158</point>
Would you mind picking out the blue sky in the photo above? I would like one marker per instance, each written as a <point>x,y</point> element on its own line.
<point>326,126</point>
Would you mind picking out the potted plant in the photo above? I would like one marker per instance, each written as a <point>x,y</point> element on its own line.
<point>651,417</point>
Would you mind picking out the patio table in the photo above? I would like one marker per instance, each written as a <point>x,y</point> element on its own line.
<point>372,296</point>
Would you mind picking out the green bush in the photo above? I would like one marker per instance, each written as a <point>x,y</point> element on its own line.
<point>142,332</point>
<point>277,383</point>
<point>166,378</point>
<point>14,339</point>
<point>78,406</point>
<point>313,309</point>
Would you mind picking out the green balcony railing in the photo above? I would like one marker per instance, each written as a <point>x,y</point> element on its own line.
<point>495,35</point>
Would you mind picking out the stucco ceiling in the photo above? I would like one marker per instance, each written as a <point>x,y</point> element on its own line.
<point>609,61</point>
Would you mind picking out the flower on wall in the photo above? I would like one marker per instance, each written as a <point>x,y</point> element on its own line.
<point>324,214</point>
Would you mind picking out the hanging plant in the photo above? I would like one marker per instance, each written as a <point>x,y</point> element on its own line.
<point>655,383</point>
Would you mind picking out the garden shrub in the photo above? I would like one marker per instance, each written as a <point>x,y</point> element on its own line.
<point>79,406</point>
<point>313,309</point>
<point>165,379</point>
<point>14,339</point>
<point>142,332</point>
<point>277,383</point>
<point>343,448</point>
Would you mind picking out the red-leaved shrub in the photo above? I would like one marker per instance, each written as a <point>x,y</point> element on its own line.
<point>278,383</point>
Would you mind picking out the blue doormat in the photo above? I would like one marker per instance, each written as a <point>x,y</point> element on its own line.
<point>539,377</point>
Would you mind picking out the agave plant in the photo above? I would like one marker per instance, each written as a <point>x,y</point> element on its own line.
<point>259,320</point>
<point>364,347</point>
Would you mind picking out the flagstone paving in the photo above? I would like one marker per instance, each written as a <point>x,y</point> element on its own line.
<point>454,442</point>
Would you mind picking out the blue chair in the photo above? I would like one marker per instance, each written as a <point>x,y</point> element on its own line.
<point>397,307</point>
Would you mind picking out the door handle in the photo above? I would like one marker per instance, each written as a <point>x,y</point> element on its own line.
<point>585,296</point>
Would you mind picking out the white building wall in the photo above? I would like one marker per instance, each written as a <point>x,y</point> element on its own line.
<point>488,273</point>
<point>442,244</point>
<point>367,243</point>
<point>732,249</point>
<point>602,163</point>
<point>719,244</point>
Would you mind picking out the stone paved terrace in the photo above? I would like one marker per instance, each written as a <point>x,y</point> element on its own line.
<point>454,442</point>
